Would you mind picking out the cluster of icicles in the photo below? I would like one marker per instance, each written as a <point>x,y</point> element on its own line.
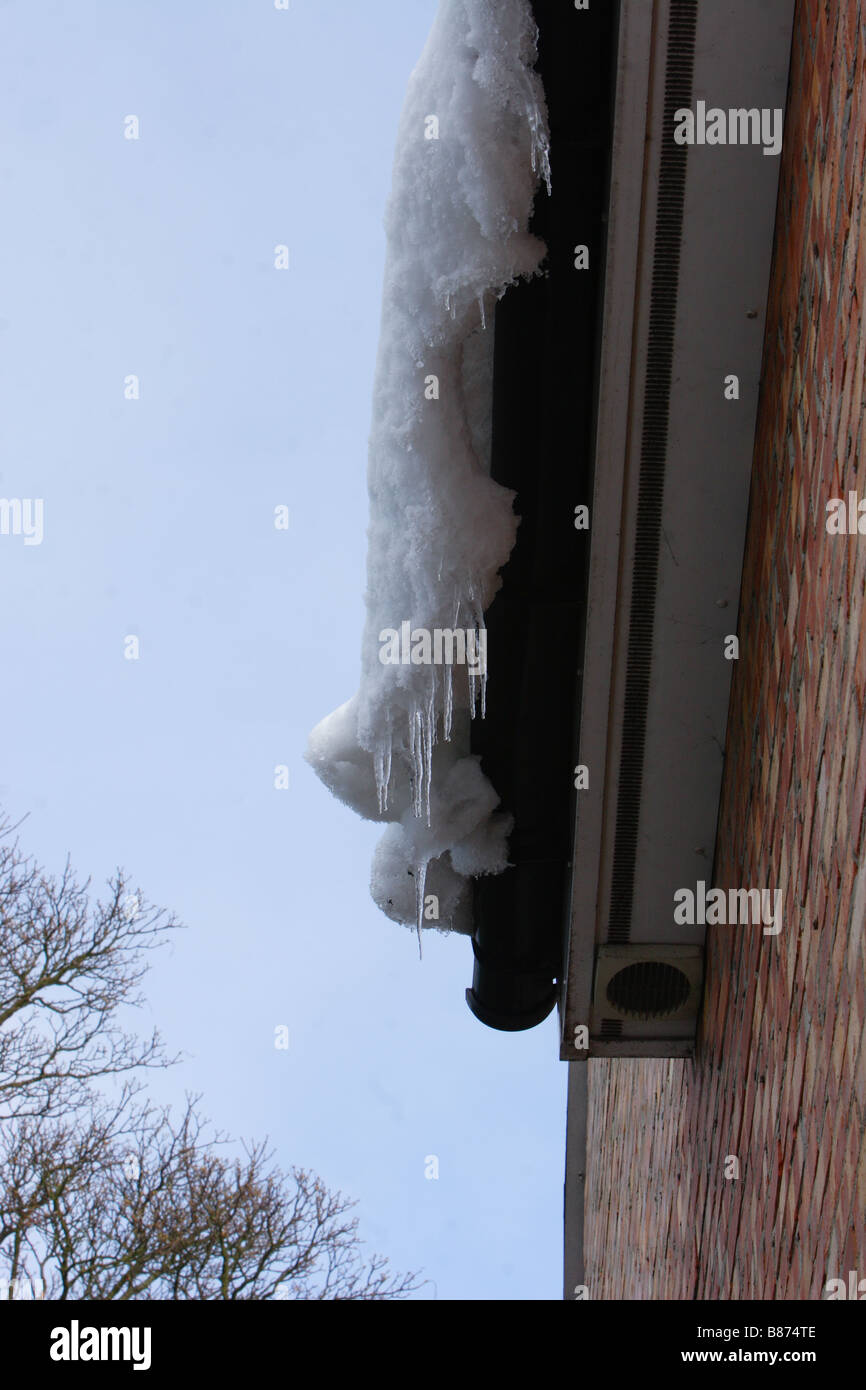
<point>428,714</point>
<point>423,721</point>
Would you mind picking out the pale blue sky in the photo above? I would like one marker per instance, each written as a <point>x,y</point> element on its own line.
<point>155,257</point>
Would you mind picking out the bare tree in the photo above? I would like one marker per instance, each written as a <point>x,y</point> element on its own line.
<point>126,1204</point>
<point>104,1195</point>
<point>66,970</point>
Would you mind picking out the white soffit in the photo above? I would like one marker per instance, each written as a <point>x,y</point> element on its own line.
<point>740,60</point>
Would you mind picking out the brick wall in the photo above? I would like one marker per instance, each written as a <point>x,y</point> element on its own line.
<point>780,1078</point>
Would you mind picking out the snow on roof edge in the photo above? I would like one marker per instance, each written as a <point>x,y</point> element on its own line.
<point>472,147</point>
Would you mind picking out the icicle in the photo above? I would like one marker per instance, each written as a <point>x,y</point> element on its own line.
<point>417,755</point>
<point>429,740</point>
<point>481,626</point>
<point>387,767</point>
<point>473,611</point>
<point>412,753</point>
<point>539,152</point>
<point>481,307</point>
<point>449,703</point>
<point>420,885</point>
<point>382,766</point>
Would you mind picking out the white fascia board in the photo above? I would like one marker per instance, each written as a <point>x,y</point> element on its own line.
<point>741,61</point>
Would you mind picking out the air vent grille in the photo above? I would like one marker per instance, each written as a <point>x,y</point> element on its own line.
<point>652,983</point>
<point>648,989</point>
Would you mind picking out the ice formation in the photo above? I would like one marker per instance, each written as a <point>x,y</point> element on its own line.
<point>471,150</point>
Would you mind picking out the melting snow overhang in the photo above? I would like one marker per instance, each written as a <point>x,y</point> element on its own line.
<point>640,427</point>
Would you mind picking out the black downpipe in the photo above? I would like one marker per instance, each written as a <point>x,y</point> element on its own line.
<point>544,394</point>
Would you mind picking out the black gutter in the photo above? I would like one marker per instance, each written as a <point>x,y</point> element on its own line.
<point>544,410</point>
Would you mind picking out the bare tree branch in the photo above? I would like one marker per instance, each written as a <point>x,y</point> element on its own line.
<point>126,1204</point>
<point>102,1194</point>
<point>66,969</point>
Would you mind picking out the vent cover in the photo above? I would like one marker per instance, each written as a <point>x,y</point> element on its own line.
<point>648,989</point>
<point>646,982</point>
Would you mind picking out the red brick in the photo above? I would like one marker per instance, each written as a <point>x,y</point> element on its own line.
<point>661,1220</point>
